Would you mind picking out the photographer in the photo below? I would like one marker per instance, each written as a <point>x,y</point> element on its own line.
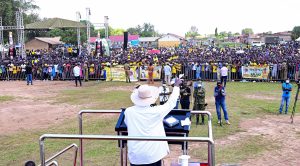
<point>220,94</point>
<point>164,93</point>
<point>185,93</point>
<point>286,96</point>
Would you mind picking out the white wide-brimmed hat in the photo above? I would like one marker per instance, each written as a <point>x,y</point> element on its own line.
<point>145,95</point>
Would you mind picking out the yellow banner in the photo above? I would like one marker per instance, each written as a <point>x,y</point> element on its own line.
<point>144,72</point>
<point>255,72</point>
<point>117,73</point>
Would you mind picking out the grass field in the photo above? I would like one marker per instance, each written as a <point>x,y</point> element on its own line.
<point>244,101</point>
<point>6,98</point>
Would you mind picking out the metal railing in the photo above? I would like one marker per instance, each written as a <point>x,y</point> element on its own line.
<point>206,73</point>
<point>80,118</point>
<point>60,153</point>
<point>53,163</point>
<point>114,137</point>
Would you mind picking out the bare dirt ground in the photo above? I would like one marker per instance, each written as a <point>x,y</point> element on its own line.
<point>33,108</point>
<point>279,130</point>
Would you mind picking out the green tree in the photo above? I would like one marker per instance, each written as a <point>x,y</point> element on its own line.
<point>147,30</point>
<point>247,31</point>
<point>117,31</point>
<point>216,33</point>
<point>236,34</point>
<point>296,32</point>
<point>223,34</point>
<point>193,32</point>
<point>8,10</point>
<point>133,31</point>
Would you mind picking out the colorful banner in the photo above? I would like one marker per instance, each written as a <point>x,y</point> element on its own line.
<point>144,72</point>
<point>255,72</point>
<point>117,73</point>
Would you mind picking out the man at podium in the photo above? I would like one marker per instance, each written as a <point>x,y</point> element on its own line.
<point>144,120</point>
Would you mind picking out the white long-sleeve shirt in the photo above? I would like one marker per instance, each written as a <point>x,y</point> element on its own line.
<point>148,121</point>
<point>76,71</point>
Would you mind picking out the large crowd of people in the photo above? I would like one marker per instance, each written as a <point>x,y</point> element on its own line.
<point>195,62</point>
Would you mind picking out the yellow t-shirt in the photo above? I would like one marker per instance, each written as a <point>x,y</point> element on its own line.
<point>70,49</point>
<point>214,68</point>
<point>173,69</point>
<point>233,69</point>
<point>15,70</point>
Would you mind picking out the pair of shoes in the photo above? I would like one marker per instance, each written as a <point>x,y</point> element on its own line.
<point>285,112</point>
<point>227,122</point>
<point>219,121</point>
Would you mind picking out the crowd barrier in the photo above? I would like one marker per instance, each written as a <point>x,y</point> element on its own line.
<point>116,73</point>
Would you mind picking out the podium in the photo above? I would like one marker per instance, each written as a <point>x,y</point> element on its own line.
<point>177,130</point>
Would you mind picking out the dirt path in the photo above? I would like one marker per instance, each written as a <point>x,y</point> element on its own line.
<point>276,129</point>
<point>279,130</point>
<point>32,107</point>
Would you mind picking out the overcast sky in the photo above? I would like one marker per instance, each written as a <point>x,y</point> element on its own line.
<point>177,16</point>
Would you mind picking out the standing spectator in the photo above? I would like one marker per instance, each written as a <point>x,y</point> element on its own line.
<point>215,71</point>
<point>220,94</point>
<point>224,74</point>
<point>274,71</point>
<point>76,71</point>
<point>194,67</point>
<point>284,70</point>
<point>174,70</point>
<point>45,72</point>
<point>127,72</point>
<point>150,73</point>
<point>185,93</point>
<point>28,72</point>
<point>56,70</point>
<point>286,96</point>
<point>167,71</point>
<point>297,71</point>
<point>198,72</point>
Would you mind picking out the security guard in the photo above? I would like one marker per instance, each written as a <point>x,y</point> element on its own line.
<point>199,101</point>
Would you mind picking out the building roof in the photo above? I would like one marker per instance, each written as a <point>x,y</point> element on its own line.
<point>148,39</point>
<point>50,40</point>
<point>54,23</point>
<point>93,39</point>
<point>177,36</point>
<point>120,38</point>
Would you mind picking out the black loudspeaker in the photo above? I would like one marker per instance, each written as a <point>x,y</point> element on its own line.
<point>101,49</point>
<point>125,40</point>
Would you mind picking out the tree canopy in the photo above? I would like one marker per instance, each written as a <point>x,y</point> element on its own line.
<point>193,32</point>
<point>247,31</point>
<point>146,30</point>
<point>8,12</point>
<point>296,32</point>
